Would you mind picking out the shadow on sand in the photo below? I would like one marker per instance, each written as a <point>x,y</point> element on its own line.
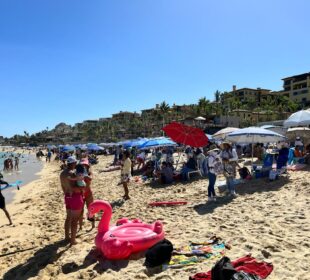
<point>102,264</point>
<point>250,187</point>
<point>37,262</point>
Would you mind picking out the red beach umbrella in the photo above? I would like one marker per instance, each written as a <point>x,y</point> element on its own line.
<point>187,135</point>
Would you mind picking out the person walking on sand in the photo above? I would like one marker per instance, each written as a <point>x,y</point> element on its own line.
<point>2,200</point>
<point>73,200</point>
<point>16,163</point>
<point>126,173</point>
<point>214,168</point>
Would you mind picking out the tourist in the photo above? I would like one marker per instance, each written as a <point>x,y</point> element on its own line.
<point>307,154</point>
<point>126,173</point>
<point>166,173</point>
<point>73,200</point>
<point>2,200</point>
<point>141,160</point>
<point>298,155</point>
<point>283,156</point>
<point>189,166</point>
<point>200,159</point>
<point>229,158</point>
<point>88,194</point>
<point>48,156</point>
<point>214,168</point>
<point>16,163</point>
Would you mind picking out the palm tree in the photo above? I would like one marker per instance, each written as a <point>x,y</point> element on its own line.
<point>164,109</point>
<point>217,96</point>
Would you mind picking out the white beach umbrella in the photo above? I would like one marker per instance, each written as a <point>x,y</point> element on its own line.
<point>221,134</point>
<point>200,119</point>
<point>254,135</point>
<point>300,118</point>
<point>278,129</point>
<point>294,132</point>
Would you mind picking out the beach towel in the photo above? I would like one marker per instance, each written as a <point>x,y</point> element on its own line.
<point>246,264</point>
<point>296,167</point>
<point>197,252</point>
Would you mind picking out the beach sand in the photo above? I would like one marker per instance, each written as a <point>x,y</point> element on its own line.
<point>270,220</point>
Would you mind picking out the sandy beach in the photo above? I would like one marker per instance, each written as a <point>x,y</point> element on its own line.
<point>270,220</point>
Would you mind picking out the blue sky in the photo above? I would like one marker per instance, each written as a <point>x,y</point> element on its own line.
<point>75,60</point>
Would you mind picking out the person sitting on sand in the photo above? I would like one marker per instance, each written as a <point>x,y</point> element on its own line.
<point>2,200</point>
<point>73,200</point>
<point>126,173</point>
<point>298,155</point>
<point>189,166</point>
<point>307,154</point>
<point>166,174</point>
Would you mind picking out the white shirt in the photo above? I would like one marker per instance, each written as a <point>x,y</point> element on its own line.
<point>226,155</point>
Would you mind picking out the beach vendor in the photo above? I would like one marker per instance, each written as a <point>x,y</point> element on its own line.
<point>2,200</point>
<point>229,158</point>
<point>73,200</point>
<point>126,173</point>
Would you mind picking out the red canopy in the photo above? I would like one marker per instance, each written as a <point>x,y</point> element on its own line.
<point>187,135</point>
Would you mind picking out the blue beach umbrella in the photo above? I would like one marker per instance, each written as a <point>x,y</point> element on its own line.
<point>93,147</point>
<point>67,148</point>
<point>157,143</point>
<point>135,143</point>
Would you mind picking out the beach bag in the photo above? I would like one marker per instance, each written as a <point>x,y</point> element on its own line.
<point>244,172</point>
<point>223,270</point>
<point>159,254</point>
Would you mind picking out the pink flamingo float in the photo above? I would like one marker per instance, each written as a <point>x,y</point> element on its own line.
<point>126,237</point>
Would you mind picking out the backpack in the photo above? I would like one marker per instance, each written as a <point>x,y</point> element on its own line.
<point>159,254</point>
<point>223,270</point>
<point>244,172</point>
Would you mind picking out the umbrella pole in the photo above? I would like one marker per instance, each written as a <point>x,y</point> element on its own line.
<point>252,149</point>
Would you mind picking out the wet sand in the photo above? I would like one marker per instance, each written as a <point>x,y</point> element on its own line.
<point>270,220</point>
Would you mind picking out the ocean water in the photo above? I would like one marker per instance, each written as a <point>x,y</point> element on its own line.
<point>29,166</point>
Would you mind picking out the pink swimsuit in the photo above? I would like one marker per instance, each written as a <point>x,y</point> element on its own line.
<point>74,201</point>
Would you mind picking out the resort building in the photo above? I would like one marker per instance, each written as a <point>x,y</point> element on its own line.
<point>244,95</point>
<point>297,88</point>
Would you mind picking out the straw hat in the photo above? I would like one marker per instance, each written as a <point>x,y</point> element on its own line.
<point>213,148</point>
<point>225,142</point>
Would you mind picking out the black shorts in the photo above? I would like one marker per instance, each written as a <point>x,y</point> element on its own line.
<point>2,202</point>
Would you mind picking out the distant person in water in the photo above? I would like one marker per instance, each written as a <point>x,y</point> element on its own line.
<point>2,200</point>
<point>73,199</point>
<point>48,156</point>
<point>16,163</point>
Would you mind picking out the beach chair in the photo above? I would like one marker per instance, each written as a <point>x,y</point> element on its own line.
<point>198,171</point>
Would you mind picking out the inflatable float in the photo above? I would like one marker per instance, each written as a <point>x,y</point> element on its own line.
<point>167,203</point>
<point>126,237</point>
